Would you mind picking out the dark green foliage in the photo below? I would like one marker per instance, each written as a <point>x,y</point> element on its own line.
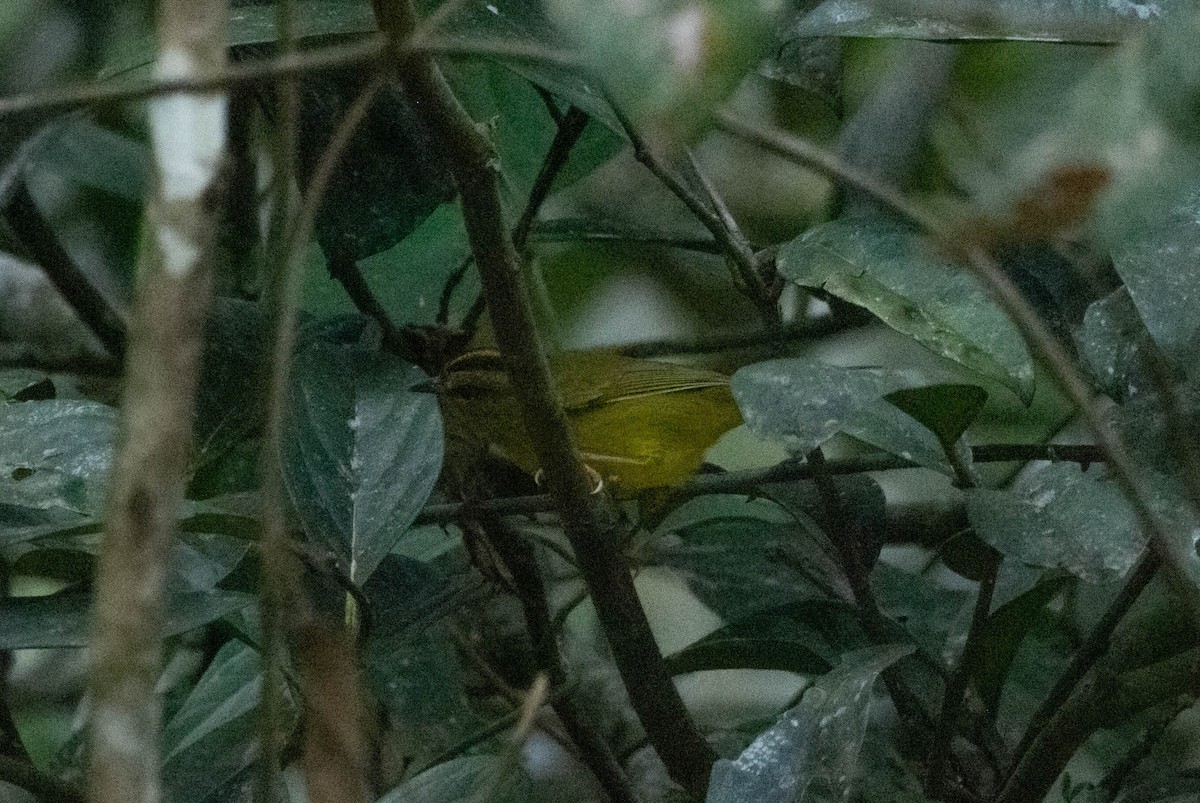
<point>816,650</point>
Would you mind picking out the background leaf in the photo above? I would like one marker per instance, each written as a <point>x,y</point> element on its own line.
<point>889,270</point>
<point>362,451</point>
<point>1042,20</point>
<point>810,754</point>
<point>668,64</point>
<point>65,619</point>
<point>212,738</point>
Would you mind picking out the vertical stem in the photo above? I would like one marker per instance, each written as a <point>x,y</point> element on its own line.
<point>278,565</point>
<point>154,447</point>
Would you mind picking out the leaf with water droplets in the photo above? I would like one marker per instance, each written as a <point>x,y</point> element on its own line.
<point>809,755</point>
<point>1062,517</point>
<point>886,268</point>
<point>1161,269</point>
<point>804,403</point>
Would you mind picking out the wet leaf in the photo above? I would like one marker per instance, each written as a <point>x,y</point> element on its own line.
<point>1061,517</point>
<point>803,403</point>
<point>1112,341</point>
<point>55,454</point>
<point>1161,269</point>
<point>889,270</point>
<point>811,753</point>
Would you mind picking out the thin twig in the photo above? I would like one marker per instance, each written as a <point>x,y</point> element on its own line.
<point>848,540</point>
<point>570,128</point>
<point>562,230</point>
<point>596,753</point>
<point>279,567</point>
<point>1089,652</point>
<point>808,329</point>
<point>370,49</point>
<point>735,247</point>
<point>588,518</point>
<point>106,321</point>
<point>937,781</point>
<point>789,471</point>
<point>1041,341</point>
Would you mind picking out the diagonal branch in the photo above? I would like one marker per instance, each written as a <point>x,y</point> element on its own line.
<point>588,518</point>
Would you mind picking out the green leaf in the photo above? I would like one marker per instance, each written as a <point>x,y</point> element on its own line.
<point>212,737</point>
<point>1160,265</point>
<point>802,404</point>
<point>498,28</point>
<point>742,555</point>
<point>1095,21</point>
<point>412,664</point>
<point>746,653</point>
<point>946,410</point>
<point>391,176</point>
<point>55,454</point>
<point>1060,517</point>
<point>65,619</point>
<point>362,451</point>
<point>521,128</point>
<point>80,150</point>
<point>1113,342</point>
<point>408,278</point>
<point>668,64</point>
<point>811,753</point>
<point>1003,633</point>
<point>26,384</point>
<point>886,268</point>
<point>460,779</point>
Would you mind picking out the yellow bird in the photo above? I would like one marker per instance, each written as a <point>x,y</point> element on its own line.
<point>637,423</point>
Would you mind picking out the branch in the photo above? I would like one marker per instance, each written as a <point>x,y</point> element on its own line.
<point>371,49</point>
<point>570,128</point>
<point>519,558</point>
<point>1041,341</point>
<point>588,519</point>
<point>35,235</point>
<point>1096,644</point>
<point>718,222</point>
<point>154,449</point>
<point>748,481</point>
<point>279,570</point>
